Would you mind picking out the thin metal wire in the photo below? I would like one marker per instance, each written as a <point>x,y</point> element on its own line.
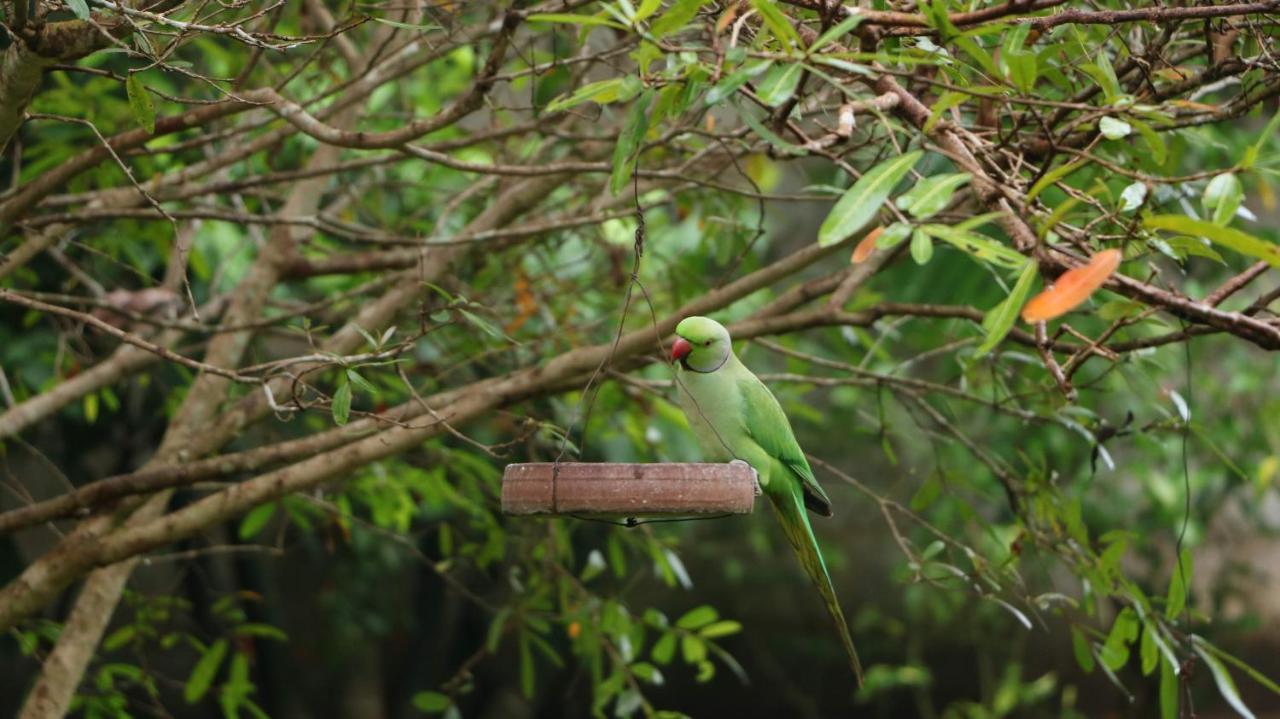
<point>589,397</point>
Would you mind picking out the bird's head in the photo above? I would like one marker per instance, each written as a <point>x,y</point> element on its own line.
<point>702,344</point>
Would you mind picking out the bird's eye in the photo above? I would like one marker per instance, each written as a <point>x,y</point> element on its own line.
<point>707,343</point>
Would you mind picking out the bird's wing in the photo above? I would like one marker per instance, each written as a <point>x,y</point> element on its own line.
<point>767,424</point>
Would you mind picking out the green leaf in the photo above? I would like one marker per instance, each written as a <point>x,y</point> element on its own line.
<point>140,103</point>
<point>1268,132</point>
<point>1022,69</point>
<point>431,702</point>
<point>893,235</point>
<point>629,702</point>
<point>119,637</point>
<point>625,153</point>
<point>692,649</point>
<point>776,21</point>
<point>618,89</point>
<point>981,247</point>
<point>780,83</point>
<point>90,406</point>
<point>265,631</point>
<point>647,672</point>
<point>1155,143</point>
<point>921,247</point>
<point>1221,677</point>
<point>978,53</point>
<point>485,325</point>
<point>945,101</point>
<point>720,629</point>
<point>676,18</point>
<point>647,8</point>
<point>80,8</point>
<point>1000,319</point>
<point>204,671</point>
<point>927,197</point>
<point>1115,651</point>
<point>929,491</point>
<point>1179,580</point>
<point>1148,651</point>
<point>1257,675</point>
<point>735,80</point>
<point>1053,176</point>
<point>408,25</point>
<point>358,380</point>
<point>665,648</point>
<point>1132,197</point>
<point>1228,237</point>
<point>528,675</point>
<point>769,135</point>
<point>861,202</point>
<point>1168,691</point>
<point>698,617</point>
<point>572,19</point>
<point>494,636</point>
<point>1114,128</point>
<point>255,520</point>
<point>341,405</point>
<point>1084,654</point>
<point>837,31</point>
<point>1222,197</point>
<point>935,14</point>
<point>1102,72</point>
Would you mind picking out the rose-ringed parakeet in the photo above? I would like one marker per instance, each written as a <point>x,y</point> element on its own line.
<point>735,416</point>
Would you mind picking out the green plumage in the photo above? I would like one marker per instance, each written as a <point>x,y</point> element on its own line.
<point>735,416</point>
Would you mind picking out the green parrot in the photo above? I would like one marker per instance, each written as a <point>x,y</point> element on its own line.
<point>735,416</point>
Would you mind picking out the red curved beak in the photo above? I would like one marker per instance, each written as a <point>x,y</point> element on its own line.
<point>680,349</point>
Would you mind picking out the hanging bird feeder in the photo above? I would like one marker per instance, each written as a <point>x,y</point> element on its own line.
<point>617,489</point>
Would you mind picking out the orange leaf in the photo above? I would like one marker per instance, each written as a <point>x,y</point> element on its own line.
<point>866,246</point>
<point>727,19</point>
<point>1072,288</point>
<point>525,301</point>
<point>1188,104</point>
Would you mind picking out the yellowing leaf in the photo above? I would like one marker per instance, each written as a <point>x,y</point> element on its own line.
<point>866,246</point>
<point>1072,288</point>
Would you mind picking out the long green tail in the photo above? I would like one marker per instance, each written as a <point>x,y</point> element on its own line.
<point>789,506</point>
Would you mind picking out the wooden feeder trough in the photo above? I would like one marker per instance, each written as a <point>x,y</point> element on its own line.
<point>618,489</point>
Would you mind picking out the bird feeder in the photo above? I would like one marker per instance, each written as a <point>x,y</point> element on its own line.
<point>618,489</point>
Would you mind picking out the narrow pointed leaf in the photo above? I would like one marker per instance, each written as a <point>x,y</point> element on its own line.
<point>1002,317</point>
<point>735,80</point>
<point>144,111</point>
<point>776,21</point>
<point>1228,237</point>
<point>1168,691</point>
<point>930,195</point>
<point>983,248</point>
<point>205,670</point>
<point>1221,677</point>
<point>629,141</point>
<point>837,31</point>
<point>676,18</point>
<point>780,84</point>
<point>862,201</point>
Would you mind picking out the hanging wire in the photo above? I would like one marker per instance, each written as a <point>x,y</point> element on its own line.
<point>589,397</point>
